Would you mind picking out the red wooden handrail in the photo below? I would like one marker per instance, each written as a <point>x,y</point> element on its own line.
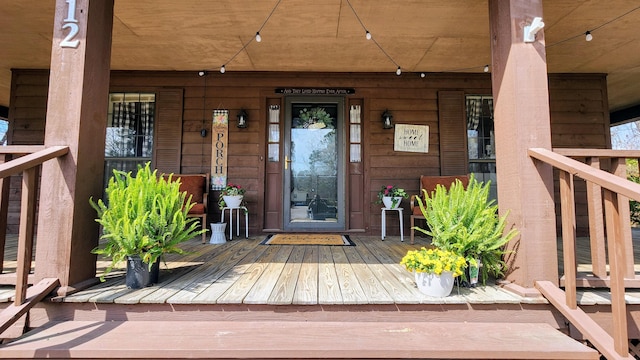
<point>28,165</point>
<point>616,192</point>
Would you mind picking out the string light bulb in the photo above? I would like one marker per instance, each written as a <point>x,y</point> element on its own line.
<point>258,37</point>
<point>367,35</point>
<point>588,36</point>
<point>201,73</point>
<point>423,75</point>
<point>222,69</point>
<point>486,68</point>
<point>398,71</point>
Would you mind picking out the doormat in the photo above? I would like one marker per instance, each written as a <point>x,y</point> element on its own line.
<point>308,239</point>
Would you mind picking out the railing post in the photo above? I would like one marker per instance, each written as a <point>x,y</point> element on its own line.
<point>596,224</point>
<point>619,168</point>
<point>617,267</point>
<point>4,209</point>
<point>568,213</point>
<point>25,237</point>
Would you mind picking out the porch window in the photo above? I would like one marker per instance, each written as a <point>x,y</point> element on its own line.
<point>481,140</point>
<point>130,125</point>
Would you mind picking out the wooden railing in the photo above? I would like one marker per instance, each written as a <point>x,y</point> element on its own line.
<point>27,165</point>
<point>611,193</point>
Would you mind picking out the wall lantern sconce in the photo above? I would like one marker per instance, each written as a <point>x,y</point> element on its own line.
<point>387,120</point>
<point>242,119</point>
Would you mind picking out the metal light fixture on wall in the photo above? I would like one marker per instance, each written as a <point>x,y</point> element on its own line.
<point>242,119</point>
<point>387,120</point>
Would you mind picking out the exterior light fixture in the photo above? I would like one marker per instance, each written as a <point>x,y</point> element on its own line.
<point>588,36</point>
<point>530,31</point>
<point>387,120</point>
<point>242,119</point>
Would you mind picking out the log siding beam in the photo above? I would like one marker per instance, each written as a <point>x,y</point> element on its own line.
<point>522,121</point>
<point>76,113</point>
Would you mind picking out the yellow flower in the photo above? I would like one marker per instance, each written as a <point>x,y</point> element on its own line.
<point>434,261</point>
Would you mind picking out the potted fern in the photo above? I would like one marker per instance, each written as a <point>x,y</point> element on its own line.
<point>143,218</point>
<point>464,221</point>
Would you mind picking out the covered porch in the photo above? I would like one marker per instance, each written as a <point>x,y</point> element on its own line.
<point>247,281</point>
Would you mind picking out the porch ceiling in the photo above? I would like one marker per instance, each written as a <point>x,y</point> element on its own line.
<point>325,35</point>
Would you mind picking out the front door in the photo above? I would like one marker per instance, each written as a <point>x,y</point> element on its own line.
<point>314,165</point>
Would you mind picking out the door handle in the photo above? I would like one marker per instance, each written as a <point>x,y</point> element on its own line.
<point>286,162</point>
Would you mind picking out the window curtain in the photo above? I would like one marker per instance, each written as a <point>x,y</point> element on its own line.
<point>134,121</point>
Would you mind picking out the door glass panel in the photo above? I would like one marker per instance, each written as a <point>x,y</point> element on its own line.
<point>314,185</point>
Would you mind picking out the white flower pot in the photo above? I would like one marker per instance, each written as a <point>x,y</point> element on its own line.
<point>217,233</point>
<point>435,285</point>
<point>232,201</point>
<point>391,202</point>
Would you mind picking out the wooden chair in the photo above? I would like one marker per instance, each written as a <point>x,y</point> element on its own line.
<point>196,185</point>
<point>429,183</point>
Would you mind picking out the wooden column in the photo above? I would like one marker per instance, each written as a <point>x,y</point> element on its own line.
<point>520,90</point>
<point>76,117</point>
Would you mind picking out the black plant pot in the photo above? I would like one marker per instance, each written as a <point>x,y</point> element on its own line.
<point>138,273</point>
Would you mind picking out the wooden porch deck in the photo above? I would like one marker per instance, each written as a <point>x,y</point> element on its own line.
<point>243,285</point>
<point>244,272</point>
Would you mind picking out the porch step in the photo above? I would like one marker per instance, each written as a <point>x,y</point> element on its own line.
<point>295,339</point>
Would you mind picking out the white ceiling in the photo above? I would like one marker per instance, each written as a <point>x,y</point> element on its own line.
<point>325,35</point>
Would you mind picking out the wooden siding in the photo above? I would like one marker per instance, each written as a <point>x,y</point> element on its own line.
<point>579,116</point>
<point>579,119</point>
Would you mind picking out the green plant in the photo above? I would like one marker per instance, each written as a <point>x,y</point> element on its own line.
<point>229,190</point>
<point>315,118</point>
<point>434,261</point>
<point>466,222</point>
<point>145,215</point>
<point>634,206</point>
<point>392,191</point>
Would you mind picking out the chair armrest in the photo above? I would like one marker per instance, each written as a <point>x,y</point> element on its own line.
<point>205,196</point>
<point>411,204</point>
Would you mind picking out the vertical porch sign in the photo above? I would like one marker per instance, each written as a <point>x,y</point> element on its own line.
<point>411,138</point>
<point>219,135</point>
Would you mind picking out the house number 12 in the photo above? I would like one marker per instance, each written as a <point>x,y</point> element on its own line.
<point>70,23</point>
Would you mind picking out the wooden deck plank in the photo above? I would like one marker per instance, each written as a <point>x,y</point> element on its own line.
<point>398,272</point>
<point>285,287</point>
<point>232,273</point>
<point>350,288</point>
<point>296,339</point>
<point>261,290</point>
<point>236,293</point>
<point>371,286</point>
<point>208,264</point>
<point>306,292</point>
<point>213,272</point>
<point>401,293</point>
<point>328,285</point>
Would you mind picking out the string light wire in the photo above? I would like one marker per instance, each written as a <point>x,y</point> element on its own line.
<point>369,36</point>
<point>372,38</point>
<point>223,67</point>
<point>590,32</point>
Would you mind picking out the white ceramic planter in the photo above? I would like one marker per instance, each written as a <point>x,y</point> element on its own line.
<point>391,202</point>
<point>435,285</point>
<point>232,201</point>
